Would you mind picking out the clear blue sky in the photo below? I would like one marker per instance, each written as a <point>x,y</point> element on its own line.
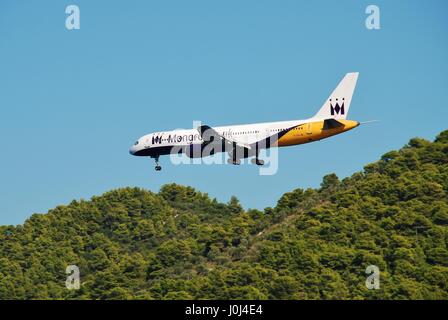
<point>72,102</point>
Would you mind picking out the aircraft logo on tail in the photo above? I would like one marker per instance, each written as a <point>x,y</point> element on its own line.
<point>337,109</point>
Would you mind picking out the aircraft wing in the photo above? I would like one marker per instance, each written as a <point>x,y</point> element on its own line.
<point>209,135</point>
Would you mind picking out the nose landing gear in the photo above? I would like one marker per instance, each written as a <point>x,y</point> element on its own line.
<point>158,167</point>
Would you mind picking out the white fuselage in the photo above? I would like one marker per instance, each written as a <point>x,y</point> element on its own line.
<point>245,134</point>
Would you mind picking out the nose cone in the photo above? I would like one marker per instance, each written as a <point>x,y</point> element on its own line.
<point>133,150</point>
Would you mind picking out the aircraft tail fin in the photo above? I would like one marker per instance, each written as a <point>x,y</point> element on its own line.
<point>337,105</point>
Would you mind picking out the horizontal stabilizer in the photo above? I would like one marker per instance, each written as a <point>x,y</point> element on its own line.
<point>331,124</point>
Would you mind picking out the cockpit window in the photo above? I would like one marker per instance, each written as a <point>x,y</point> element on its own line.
<point>136,143</point>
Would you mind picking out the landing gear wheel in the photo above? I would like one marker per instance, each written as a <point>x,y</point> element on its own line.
<point>258,162</point>
<point>235,162</point>
<point>158,168</point>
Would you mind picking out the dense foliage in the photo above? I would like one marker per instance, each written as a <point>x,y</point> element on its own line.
<point>180,244</point>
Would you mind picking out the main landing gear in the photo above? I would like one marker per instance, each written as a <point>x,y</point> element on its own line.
<point>158,167</point>
<point>234,161</point>
<point>257,161</point>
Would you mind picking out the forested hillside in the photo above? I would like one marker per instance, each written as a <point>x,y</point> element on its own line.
<point>180,244</point>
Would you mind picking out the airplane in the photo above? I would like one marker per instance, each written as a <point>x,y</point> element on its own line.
<point>244,141</point>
